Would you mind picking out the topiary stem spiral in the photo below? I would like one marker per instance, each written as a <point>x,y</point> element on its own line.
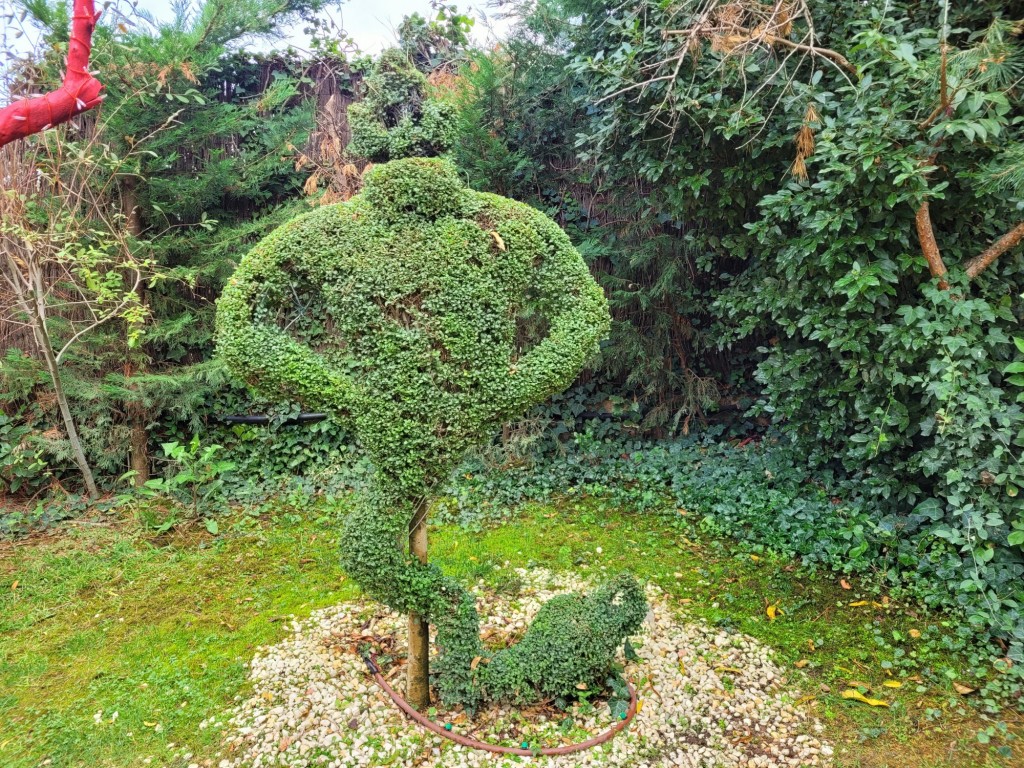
<point>373,557</point>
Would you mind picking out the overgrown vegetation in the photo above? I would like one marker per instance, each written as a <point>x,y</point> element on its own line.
<point>809,236</point>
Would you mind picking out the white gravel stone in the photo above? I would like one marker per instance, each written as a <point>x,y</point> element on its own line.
<point>708,698</point>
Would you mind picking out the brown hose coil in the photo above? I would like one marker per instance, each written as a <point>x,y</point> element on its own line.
<point>371,664</point>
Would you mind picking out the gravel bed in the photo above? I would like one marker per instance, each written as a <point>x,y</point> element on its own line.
<point>709,698</point>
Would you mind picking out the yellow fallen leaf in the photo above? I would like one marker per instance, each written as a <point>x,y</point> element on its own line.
<point>473,664</point>
<point>853,693</point>
<point>844,584</point>
<point>892,684</point>
<point>844,669</point>
<point>858,603</point>
<point>639,706</point>
<point>755,558</point>
<point>14,586</point>
<point>734,670</point>
<point>805,699</point>
<point>963,690</point>
<point>581,686</point>
<point>801,664</point>
<point>859,684</point>
<point>498,241</point>
<point>148,724</point>
<point>773,611</point>
<point>914,633</point>
<point>682,668</point>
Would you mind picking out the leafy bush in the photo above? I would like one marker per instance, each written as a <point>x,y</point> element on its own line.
<point>195,478</point>
<point>767,499</point>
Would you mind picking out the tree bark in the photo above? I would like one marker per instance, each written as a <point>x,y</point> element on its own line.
<point>980,262</point>
<point>418,668</point>
<point>929,246</point>
<point>138,457</point>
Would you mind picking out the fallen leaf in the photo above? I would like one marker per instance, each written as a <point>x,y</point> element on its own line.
<point>914,633</point>
<point>734,670</point>
<point>581,686</point>
<point>801,664</point>
<point>498,241</point>
<point>682,668</point>
<point>805,699</point>
<point>963,690</point>
<point>14,586</point>
<point>853,693</point>
<point>755,558</point>
<point>844,584</point>
<point>858,603</point>
<point>859,684</point>
<point>148,724</point>
<point>475,663</point>
<point>773,611</point>
<point>639,707</point>
<point>892,684</point>
<point>285,743</point>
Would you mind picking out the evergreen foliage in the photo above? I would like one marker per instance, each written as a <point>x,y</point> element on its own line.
<point>427,285</point>
<point>396,118</point>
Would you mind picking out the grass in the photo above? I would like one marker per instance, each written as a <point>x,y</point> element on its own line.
<point>101,617</point>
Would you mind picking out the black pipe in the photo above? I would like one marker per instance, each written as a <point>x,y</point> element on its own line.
<point>302,418</point>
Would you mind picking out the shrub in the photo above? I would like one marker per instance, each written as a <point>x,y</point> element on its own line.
<point>452,312</point>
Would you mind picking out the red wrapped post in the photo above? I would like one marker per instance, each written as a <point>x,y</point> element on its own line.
<point>79,92</point>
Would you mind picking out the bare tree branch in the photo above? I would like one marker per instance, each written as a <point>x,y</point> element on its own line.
<point>980,262</point>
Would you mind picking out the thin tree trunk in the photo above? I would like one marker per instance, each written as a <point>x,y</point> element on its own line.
<point>65,412</point>
<point>37,311</point>
<point>138,443</point>
<point>418,673</point>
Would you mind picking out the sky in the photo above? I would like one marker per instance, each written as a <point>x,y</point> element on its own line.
<point>370,24</point>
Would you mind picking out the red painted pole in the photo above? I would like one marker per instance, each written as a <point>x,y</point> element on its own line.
<point>79,92</point>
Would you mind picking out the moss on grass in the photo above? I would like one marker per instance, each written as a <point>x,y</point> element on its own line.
<point>104,619</point>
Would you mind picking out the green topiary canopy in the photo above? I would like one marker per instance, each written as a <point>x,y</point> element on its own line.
<point>450,312</point>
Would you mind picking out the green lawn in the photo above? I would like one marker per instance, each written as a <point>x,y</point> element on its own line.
<point>100,617</point>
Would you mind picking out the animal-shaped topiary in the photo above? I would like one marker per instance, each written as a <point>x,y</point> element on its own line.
<point>449,312</point>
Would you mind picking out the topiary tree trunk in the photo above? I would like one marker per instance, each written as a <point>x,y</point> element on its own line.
<point>418,675</point>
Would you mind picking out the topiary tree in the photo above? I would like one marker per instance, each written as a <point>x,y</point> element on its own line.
<point>429,287</point>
